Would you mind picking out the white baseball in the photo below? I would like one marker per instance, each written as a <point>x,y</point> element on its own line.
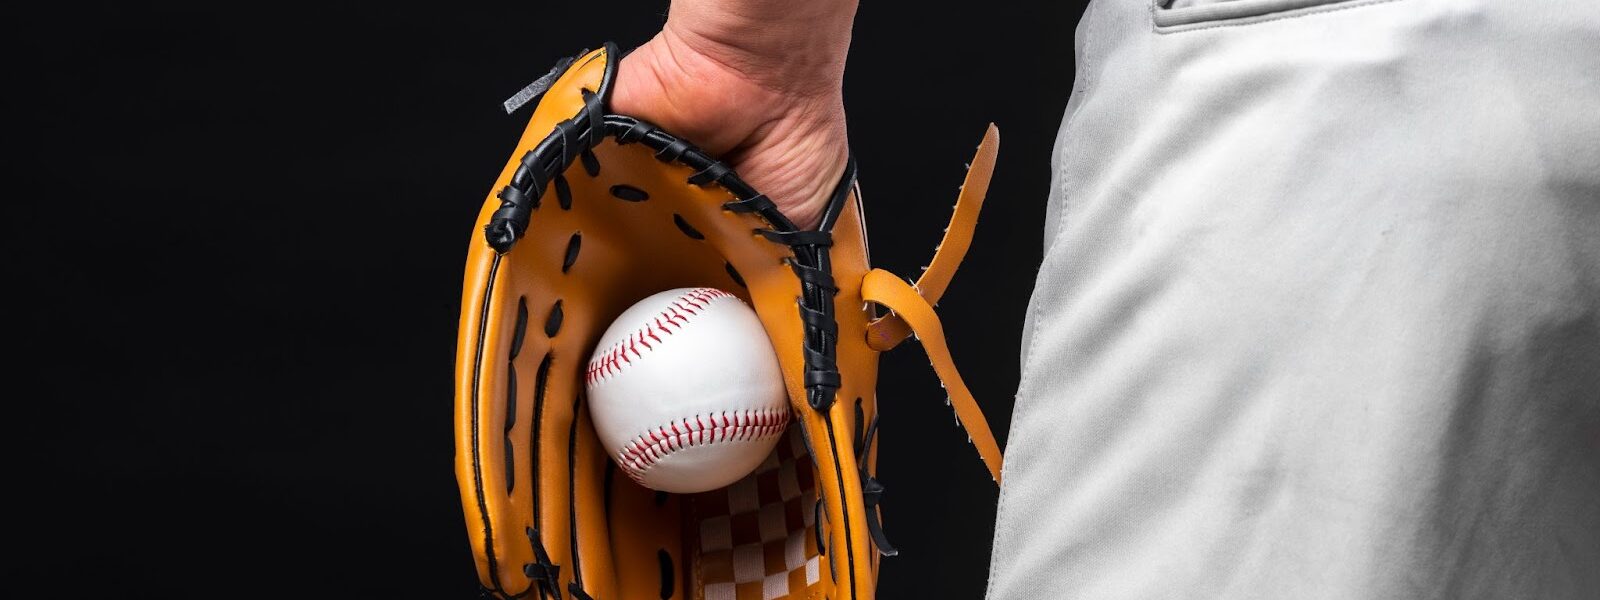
<point>685,391</point>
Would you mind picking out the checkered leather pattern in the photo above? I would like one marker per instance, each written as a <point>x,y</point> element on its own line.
<point>755,537</point>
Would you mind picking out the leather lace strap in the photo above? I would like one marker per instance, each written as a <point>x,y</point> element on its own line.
<point>888,331</point>
<point>884,288</point>
<point>911,306</point>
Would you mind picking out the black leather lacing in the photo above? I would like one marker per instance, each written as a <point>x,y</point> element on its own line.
<point>545,575</point>
<point>539,166</point>
<point>871,489</point>
<point>754,204</point>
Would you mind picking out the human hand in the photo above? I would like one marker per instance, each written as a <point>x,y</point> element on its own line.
<point>757,83</point>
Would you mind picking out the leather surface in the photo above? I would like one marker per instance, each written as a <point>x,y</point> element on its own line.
<point>890,330</point>
<point>532,474</point>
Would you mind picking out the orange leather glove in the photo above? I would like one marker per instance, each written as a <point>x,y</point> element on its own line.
<point>595,211</point>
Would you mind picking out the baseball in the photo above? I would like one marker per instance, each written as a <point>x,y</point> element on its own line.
<point>685,391</point>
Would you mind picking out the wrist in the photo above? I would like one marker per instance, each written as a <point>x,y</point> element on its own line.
<point>795,49</point>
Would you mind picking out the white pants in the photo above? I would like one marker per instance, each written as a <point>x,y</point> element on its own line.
<point>1319,312</point>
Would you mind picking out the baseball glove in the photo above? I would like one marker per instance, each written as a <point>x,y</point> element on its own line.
<point>595,211</point>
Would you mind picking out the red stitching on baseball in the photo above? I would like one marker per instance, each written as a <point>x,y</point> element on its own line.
<point>651,447</point>
<point>614,359</point>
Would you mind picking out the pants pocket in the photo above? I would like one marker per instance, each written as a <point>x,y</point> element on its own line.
<point>1181,15</point>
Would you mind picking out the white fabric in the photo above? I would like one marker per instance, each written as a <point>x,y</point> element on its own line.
<point>1319,312</point>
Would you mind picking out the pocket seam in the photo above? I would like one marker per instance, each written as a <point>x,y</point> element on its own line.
<point>1216,23</point>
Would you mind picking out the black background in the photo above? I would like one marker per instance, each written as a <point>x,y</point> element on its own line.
<point>248,226</point>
